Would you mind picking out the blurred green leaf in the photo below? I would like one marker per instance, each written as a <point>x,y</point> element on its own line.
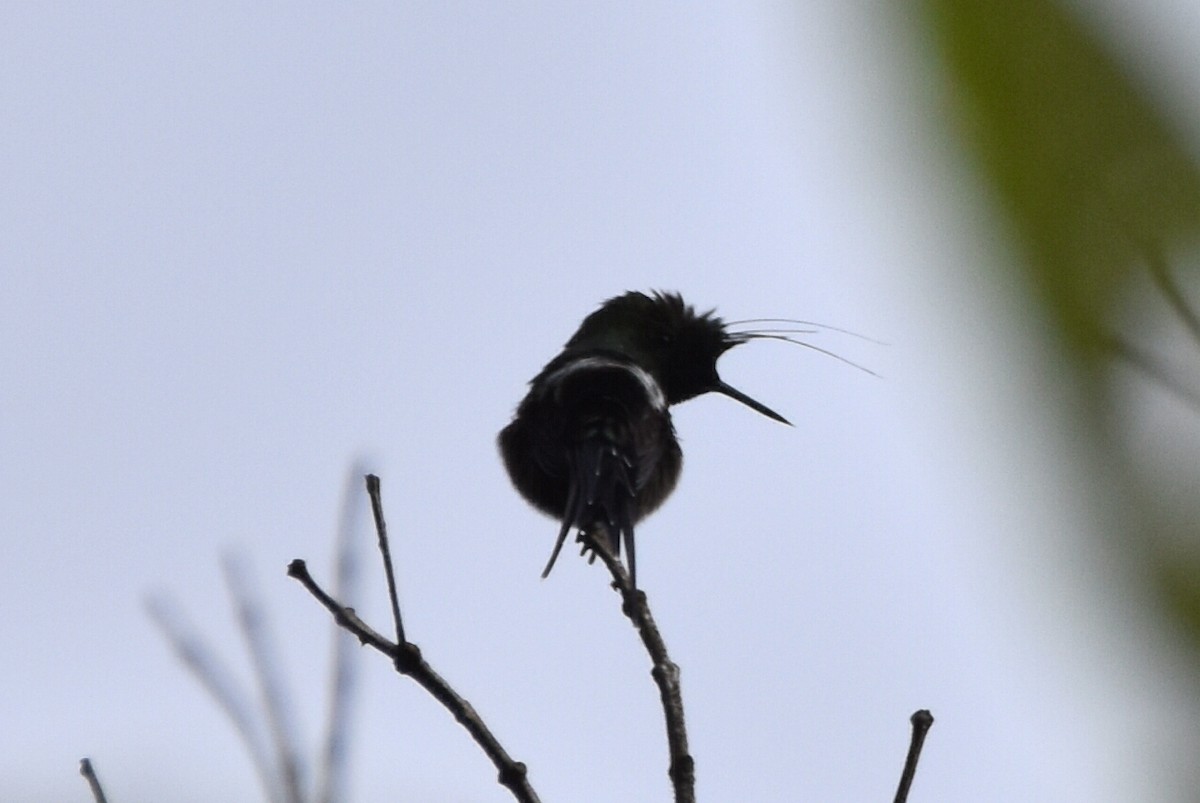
<point>1094,184</point>
<point>1085,165</point>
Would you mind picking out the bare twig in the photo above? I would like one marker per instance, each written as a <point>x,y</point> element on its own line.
<point>332,781</point>
<point>1145,362</point>
<point>682,769</point>
<point>407,659</point>
<point>921,722</point>
<point>218,681</point>
<point>381,529</point>
<point>1152,368</point>
<point>89,773</point>
<point>271,686</point>
<point>1162,277</point>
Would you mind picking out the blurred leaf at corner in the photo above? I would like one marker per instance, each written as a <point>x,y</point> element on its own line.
<point>1095,184</point>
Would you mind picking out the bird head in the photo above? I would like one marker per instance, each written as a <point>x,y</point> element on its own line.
<point>669,339</point>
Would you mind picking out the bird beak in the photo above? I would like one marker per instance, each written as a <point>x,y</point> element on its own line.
<point>734,393</point>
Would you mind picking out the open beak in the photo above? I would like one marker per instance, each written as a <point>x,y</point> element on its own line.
<point>734,393</point>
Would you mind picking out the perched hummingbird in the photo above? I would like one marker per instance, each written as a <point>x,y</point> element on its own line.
<point>592,443</point>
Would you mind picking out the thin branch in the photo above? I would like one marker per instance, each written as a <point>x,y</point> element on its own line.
<point>381,529</point>
<point>1145,362</point>
<point>1152,368</point>
<point>343,675</point>
<point>921,722</point>
<point>407,659</point>
<point>1162,277</point>
<point>89,773</point>
<point>271,686</point>
<point>682,769</point>
<point>218,681</point>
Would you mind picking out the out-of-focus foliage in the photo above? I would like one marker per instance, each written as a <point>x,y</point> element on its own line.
<point>1094,183</point>
<point>1084,163</point>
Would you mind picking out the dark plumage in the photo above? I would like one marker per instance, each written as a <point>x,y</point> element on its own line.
<point>592,443</point>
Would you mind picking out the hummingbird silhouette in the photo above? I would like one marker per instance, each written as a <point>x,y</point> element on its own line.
<point>592,443</point>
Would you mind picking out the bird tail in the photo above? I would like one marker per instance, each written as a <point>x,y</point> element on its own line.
<point>602,498</point>
<point>568,520</point>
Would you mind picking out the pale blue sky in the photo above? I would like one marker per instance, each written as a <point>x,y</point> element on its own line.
<point>243,247</point>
